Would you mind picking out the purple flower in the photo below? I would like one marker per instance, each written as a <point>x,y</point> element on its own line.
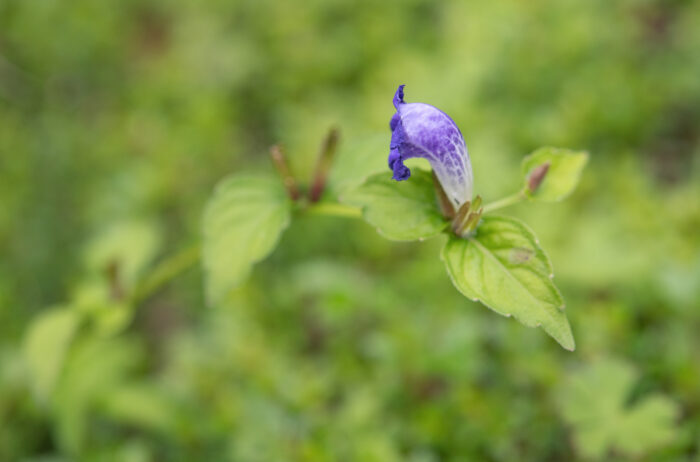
<point>422,130</point>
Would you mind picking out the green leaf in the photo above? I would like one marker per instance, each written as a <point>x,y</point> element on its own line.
<point>562,174</point>
<point>242,224</point>
<point>141,405</point>
<point>45,347</point>
<point>504,267</point>
<point>400,210</point>
<point>94,368</point>
<point>593,401</point>
<point>95,302</point>
<point>130,245</point>
<point>356,160</point>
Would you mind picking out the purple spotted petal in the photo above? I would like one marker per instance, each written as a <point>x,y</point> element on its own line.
<point>421,130</point>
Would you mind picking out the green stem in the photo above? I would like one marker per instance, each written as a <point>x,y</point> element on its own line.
<point>505,202</point>
<point>334,209</point>
<point>165,271</point>
<point>174,265</point>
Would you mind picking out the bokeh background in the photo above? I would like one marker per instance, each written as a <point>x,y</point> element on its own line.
<point>117,118</point>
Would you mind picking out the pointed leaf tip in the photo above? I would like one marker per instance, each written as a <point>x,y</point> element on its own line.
<point>482,267</point>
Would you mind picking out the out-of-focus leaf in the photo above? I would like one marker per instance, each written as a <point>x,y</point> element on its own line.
<point>593,401</point>
<point>95,368</point>
<point>113,319</point>
<point>400,210</point>
<point>357,160</point>
<point>47,459</point>
<point>46,344</point>
<point>551,174</point>
<point>144,406</point>
<point>125,248</point>
<point>504,267</point>
<point>242,224</point>
<point>95,301</point>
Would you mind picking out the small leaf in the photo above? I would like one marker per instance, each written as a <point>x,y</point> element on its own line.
<point>551,174</point>
<point>242,225</point>
<point>93,369</point>
<point>46,344</point>
<point>504,267</point>
<point>141,405</point>
<point>400,210</point>
<point>129,245</point>
<point>593,401</point>
<point>356,160</point>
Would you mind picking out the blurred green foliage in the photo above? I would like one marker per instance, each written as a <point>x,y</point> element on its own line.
<point>118,117</point>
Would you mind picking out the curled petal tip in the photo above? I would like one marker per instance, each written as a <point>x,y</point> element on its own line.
<point>398,97</point>
<point>394,156</point>
<point>401,172</point>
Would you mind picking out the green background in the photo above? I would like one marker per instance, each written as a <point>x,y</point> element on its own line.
<point>117,119</point>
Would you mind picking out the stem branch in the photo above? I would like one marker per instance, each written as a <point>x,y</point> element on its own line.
<point>165,271</point>
<point>176,264</point>
<point>334,209</point>
<point>505,202</point>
